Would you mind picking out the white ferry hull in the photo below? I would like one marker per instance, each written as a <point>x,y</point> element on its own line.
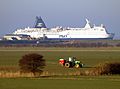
<point>79,37</point>
<point>70,37</point>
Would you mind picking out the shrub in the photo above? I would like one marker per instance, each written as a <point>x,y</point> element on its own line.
<point>108,68</point>
<point>32,63</point>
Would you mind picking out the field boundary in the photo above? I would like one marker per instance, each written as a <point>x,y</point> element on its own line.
<point>60,50</point>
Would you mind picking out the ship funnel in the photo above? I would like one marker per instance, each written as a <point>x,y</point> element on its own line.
<point>87,21</point>
<point>87,24</point>
<point>39,23</point>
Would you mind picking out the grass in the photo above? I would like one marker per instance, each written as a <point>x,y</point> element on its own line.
<point>89,58</point>
<point>61,83</point>
<point>10,56</point>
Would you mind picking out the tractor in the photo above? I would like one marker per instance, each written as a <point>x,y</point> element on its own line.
<point>70,63</point>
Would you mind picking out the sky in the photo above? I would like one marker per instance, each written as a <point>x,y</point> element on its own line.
<point>16,14</point>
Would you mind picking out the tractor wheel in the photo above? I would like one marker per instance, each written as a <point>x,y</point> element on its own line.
<point>77,66</point>
<point>81,65</point>
<point>67,65</point>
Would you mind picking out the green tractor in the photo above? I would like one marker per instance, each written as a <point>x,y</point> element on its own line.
<point>70,63</point>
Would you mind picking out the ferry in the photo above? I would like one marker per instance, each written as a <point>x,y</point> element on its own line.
<point>65,33</point>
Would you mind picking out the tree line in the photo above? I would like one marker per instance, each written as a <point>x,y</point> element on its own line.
<point>65,44</point>
<point>60,43</point>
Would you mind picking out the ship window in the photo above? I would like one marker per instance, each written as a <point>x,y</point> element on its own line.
<point>102,30</point>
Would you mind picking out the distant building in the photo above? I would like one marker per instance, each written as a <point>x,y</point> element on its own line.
<point>0,38</point>
<point>16,37</point>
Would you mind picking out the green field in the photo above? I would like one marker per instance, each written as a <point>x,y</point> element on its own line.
<point>9,57</point>
<point>57,83</point>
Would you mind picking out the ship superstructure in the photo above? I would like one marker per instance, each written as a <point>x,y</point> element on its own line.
<point>88,32</point>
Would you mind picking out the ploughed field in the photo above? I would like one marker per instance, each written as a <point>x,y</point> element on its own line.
<point>56,75</point>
